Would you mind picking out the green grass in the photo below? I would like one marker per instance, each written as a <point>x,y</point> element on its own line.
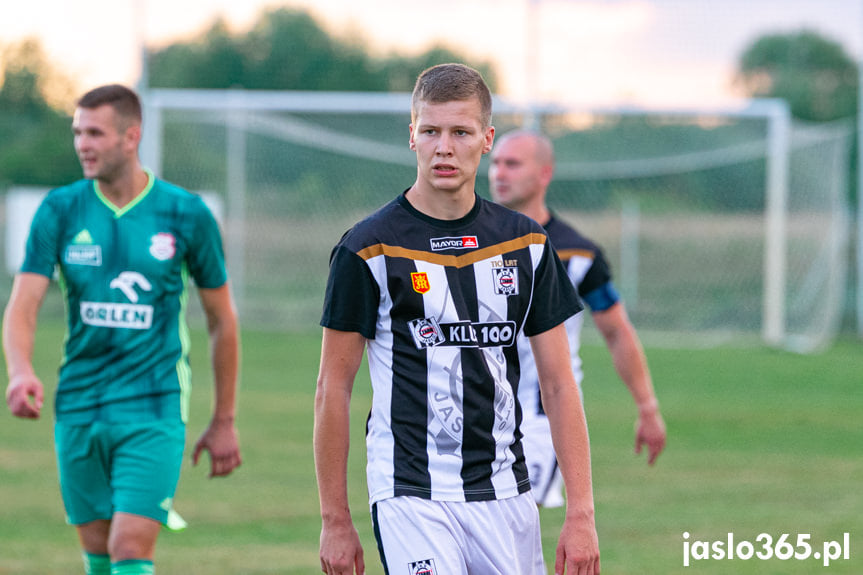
<point>760,441</point>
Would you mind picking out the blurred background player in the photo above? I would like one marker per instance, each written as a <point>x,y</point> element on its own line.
<point>522,166</point>
<point>124,243</point>
<point>437,284</point>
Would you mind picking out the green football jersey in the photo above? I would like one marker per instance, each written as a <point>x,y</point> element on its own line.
<point>124,274</point>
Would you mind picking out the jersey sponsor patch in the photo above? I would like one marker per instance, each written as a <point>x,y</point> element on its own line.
<point>505,281</point>
<point>129,283</point>
<point>424,567</point>
<point>420,281</point>
<point>460,243</point>
<point>117,315</point>
<point>83,255</point>
<point>163,246</point>
<point>427,332</point>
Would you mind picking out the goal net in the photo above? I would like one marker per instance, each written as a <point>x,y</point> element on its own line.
<point>720,225</point>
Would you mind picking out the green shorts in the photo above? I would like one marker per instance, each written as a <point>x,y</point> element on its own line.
<point>109,467</point>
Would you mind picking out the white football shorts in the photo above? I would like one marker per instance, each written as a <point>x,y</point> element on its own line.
<point>422,537</point>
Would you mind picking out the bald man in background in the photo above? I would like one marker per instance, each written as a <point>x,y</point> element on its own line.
<point>522,166</point>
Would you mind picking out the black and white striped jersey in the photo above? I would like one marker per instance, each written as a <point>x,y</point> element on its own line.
<point>589,272</point>
<point>442,303</point>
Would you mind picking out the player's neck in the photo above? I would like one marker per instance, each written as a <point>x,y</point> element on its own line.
<point>125,188</point>
<point>537,211</point>
<point>441,204</point>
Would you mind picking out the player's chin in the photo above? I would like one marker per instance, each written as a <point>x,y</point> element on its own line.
<point>448,183</point>
<point>502,199</point>
<point>90,172</point>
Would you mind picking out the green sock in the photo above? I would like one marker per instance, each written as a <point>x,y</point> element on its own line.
<point>132,567</point>
<point>96,564</point>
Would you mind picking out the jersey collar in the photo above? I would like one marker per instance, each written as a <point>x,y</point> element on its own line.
<point>119,212</point>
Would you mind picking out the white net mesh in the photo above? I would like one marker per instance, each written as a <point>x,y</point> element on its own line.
<point>677,201</point>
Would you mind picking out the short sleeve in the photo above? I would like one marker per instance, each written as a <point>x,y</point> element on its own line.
<point>41,253</point>
<point>351,300</point>
<point>554,297</point>
<point>597,275</point>
<point>206,257</point>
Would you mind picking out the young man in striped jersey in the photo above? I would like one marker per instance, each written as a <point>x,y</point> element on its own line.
<point>437,285</point>
<point>519,174</point>
<point>125,244</point>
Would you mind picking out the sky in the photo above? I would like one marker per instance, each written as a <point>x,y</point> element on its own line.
<point>582,52</point>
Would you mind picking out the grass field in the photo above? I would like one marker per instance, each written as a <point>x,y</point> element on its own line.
<point>760,441</point>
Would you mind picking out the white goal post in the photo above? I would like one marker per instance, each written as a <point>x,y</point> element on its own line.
<point>246,123</point>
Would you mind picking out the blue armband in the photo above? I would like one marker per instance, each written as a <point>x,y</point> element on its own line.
<point>602,297</point>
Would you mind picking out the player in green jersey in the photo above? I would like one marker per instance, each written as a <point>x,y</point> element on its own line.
<point>125,244</point>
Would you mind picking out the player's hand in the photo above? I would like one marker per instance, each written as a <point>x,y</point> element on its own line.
<point>341,551</point>
<point>578,547</point>
<point>25,396</point>
<point>220,439</point>
<point>650,431</point>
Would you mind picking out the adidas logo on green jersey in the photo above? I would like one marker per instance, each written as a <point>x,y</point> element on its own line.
<point>83,237</point>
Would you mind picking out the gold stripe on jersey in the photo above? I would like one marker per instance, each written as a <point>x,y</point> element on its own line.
<point>567,254</point>
<point>461,261</point>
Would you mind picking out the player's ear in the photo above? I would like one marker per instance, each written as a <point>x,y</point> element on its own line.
<point>546,173</point>
<point>132,136</point>
<point>412,144</point>
<point>489,140</point>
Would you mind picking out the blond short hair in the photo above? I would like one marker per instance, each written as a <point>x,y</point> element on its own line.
<point>451,82</point>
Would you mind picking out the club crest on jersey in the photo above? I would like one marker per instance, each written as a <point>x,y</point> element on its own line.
<point>460,243</point>
<point>420,281</point>
<point>426,332</point>
<point>505,281</point>
<point>163,246</point>
<point>424,567</point>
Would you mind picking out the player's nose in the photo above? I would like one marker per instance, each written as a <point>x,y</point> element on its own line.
<point>444,145</point>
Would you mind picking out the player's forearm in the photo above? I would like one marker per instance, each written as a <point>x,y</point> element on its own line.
<point>331,439</point>
<point>341,355</point>
<point>19,356</point>
<point>630,364</point>
<point>562,404</point>
<point>225,357</point>
<point>19,334</point>
<point>572,446</point>
<point>19,322</point>
<point>627,354</point>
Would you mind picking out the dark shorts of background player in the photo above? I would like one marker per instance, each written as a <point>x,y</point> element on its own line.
<point>119,467</point>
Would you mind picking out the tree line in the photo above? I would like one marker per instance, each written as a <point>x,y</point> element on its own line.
<point>287,49</point>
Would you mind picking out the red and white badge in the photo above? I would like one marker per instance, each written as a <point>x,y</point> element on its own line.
<point>163,246</point>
